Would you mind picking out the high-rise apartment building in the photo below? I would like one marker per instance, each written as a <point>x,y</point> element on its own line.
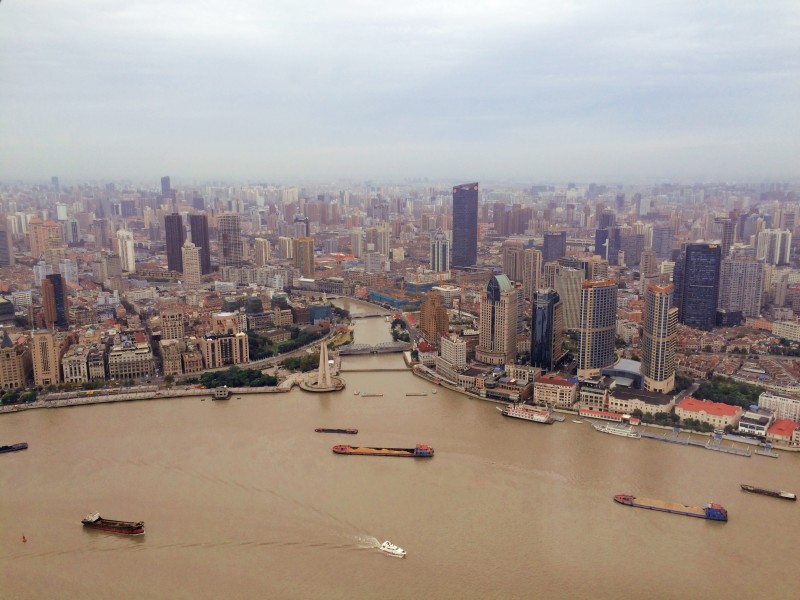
<point>567,282</point>
<point>696,277</point>
<point>554,246</point>
<point>598,327</point>
<point>774,246</point>
<point>303,251</point>
<point>172,324</point>
<point>547,329</point>
<point>39,232</point>
<point>660,326</point>
<point>199,227</point>
<point>262,252</point>
<point>176,235</point>
<point>727,233</point>
<point>513,253</point>
<point>440,252</point>
<point>465,226</point>
<point>741,285</point>
<point>127,252</point>
<point>497,337</point>
<point>6,244</point>
<point>230,241</point>
<point>190,255</point>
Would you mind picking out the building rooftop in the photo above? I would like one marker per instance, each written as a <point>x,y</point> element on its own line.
<point>717,409</point>
<point>782,427</point>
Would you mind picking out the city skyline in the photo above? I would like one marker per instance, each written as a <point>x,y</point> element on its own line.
<point>592,91</point>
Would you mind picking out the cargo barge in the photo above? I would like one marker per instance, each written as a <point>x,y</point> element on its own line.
<point>711,511</point>
<point>526,413</point>
<point>419,451</point>
<point>774,494</point>
<point>333,430</point>
<point>95,521</point>
<point>14,447</point>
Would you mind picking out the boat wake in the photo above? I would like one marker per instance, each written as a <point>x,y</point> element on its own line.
<point>367,541</point>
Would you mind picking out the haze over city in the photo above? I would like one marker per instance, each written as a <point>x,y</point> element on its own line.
<point>587,91</point>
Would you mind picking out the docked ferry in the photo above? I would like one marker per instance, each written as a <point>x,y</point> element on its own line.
<point>620,430</point>
<point>527,413</point>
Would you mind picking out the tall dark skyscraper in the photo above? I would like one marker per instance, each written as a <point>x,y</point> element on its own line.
<point>546,329</point>
<point>465,225</point>
<point>554,246</point>
<point>662,241</point>
<point>230,241</point>
<point>696,276</point>
<point>6,246</point>
<point>166,187</point>
<point>199,226</point>
<point>176,235</point>
<point>54,301</point>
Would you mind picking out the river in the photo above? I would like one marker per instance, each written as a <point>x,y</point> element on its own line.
<point>242,499</point>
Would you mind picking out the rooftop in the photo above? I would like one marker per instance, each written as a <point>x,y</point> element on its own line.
<point>717,409</point>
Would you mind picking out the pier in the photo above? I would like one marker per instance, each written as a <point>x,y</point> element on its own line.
<point>714,443</point>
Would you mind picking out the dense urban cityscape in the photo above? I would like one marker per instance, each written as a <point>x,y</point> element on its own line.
<point>671,304</point>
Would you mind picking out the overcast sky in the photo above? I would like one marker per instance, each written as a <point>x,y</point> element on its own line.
<point>566,90</point>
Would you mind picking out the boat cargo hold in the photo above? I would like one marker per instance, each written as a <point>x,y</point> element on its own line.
<point>333,430</point>
<point>95,521</point>
<point>711,511</point>
<point>14,447</point>
<point>775,494</point>
<point>527,413</point>
<point>419,451</point>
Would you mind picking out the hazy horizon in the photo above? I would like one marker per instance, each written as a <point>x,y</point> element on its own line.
<point>586,91</point>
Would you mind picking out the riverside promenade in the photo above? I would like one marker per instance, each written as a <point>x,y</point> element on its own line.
<point>164,393</point>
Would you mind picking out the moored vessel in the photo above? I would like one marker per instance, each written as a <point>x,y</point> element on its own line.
<point>221,393</point>
<point>527,413</point>
<point>392,550</point>
<point>773,493</point>
<point>419,451</point>
<point>620,430</point>
<point>711,511</point>
<point>335,430</point>
<point>14,447</point>
<point>95,521</point>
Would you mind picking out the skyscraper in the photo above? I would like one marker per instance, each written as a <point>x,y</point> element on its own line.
<point>660,326</point>
<point>127,252</point>
<point>303,250</point>
<point>598,327</point>
<point>44,354</point>
<point>434,322</point>
<point>774,246</point>
<point>166,187</point>
<point>514,260</point>
<point>54,301</point>
<point>554,246</point>
<point>465,225</point>
<point>497,337</point>
<point>230,241</point>
<point>6,245</point>
<point>547,329</point>
<point>440,252</point>
<point>567,282</point>
<point>262,251</point>
<point>190,255</point>
<point>741,284</point>
<point>531,275</point>
<point>696,278</point>
<point>727,234</point>
<point>176,235</point>
<point>662,241</point>
<point>199,226</point>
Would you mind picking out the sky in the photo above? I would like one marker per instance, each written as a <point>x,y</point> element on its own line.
<point>528,90</point>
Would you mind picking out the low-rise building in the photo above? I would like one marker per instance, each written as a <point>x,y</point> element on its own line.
<point>74,365</point>
<point>130,359</point>
<point>555,391</point>
<point>783,407</point>
<point>626,400</point>
<point>593,393</point>
<point>756,422</point>
<point>782,431</point>
<point>717,414</point>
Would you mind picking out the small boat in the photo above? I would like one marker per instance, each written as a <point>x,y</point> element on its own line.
<point>333,430</point>
<point>14,447</point>
<point>392,550</point>
<point>95,521</point>
<point>365,395</point>
<point>577,421</point>
<point>356,393</point>
<point>221,393</point>
<point>416,393</point>
<point>773,493</point>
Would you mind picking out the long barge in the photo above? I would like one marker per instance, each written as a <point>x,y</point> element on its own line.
<point>711,511</point>
<point>772,493</point>
<point>335,430</point>
<point>95,521</point>
<point>419,451</point>
<point>14,447</point>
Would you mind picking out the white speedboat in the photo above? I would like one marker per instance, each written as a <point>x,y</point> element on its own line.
<point>392,550</point>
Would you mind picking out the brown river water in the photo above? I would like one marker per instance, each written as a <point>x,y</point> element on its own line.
<point>242,499</point>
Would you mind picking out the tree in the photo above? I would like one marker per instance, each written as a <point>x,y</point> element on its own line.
<point>169,379</point>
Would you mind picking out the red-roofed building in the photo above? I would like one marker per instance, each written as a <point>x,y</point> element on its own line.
<point>554,390</point>
<point>716,414</point>
<point>782,430</point>
<point>427,353</point>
